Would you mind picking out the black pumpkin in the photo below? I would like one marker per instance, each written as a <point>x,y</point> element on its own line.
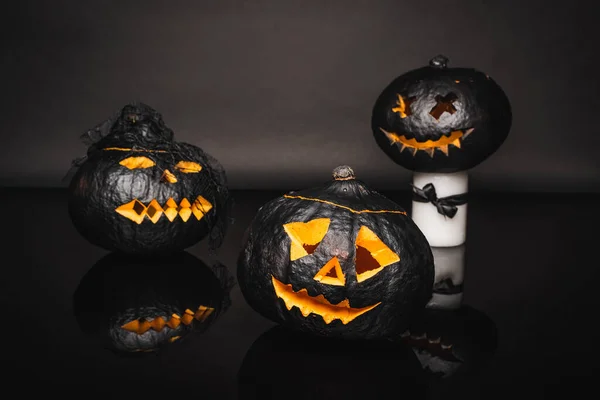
<point>452,343</point>
<point>338,260</point>
<point>282,364</point>
<point>139,191</point>
<point>137,305</point>
<point>441,119</point>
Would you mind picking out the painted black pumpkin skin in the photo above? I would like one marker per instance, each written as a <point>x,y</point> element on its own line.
<point>135,305</point>
<point>451,344</point>
<point>339,260</point>
<point>282,364</point>
<point>441,119</point>
<point>141,192</point>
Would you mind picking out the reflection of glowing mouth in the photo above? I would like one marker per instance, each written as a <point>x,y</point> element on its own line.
<point>136,211</point>
<point>435,346</point>
<point>454,138</point>
<point>318,304</point>
<point>142,325</point>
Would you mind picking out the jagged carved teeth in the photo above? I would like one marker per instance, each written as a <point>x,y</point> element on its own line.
<point>318,305</point>
<point>137,211</point>
<point>142,325</point>
<point>418,337</point>
<point>422,337</point>
<point>453,138</point>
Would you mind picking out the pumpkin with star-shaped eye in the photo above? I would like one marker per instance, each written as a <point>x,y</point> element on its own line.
<point>136,305</point>
<point>441,119</point>
<point>340,260</point>
<point>139,191</point>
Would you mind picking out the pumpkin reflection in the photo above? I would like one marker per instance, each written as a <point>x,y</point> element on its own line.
<point>140,305</point>
<point>282,364</point>
<point>452,343</point>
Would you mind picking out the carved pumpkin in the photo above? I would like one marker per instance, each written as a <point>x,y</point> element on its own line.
<point>337,260</point>
<point>441,119</point>
<point>327,368</point>
<point>138,305</point>
<point>139,191</point>
<point>452,343</point>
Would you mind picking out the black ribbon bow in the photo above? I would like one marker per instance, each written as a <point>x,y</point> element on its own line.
<point>447,206</point>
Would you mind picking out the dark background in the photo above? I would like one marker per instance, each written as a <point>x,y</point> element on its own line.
<point>281,91</point>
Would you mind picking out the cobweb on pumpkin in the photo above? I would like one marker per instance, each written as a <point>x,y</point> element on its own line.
<point>90,138</point>
<point>217,176</point>
<point>227,283</point>
<point>118,127</point>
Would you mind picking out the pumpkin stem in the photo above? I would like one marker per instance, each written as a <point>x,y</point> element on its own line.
<point>343,173</point>
<point>439,61</point>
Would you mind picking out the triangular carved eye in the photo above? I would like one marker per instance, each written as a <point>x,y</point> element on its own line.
<point>331,273</point>
<point>372,255</point>
<point>305,236</point>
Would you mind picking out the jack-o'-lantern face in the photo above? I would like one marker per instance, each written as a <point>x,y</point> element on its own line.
<point>371,256</point>
<point>156,196</point>
<point>138,304</point>
<point>441,119</point>
<point>144,167</point>
<point>336,261</point>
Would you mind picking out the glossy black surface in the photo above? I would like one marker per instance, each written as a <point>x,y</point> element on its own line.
<point>531,268</point>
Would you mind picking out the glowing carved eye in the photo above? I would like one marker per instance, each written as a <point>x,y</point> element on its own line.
<point>188,167</point>
<point>372,255</point>
<point>403,106</point>
<point>305,236</point>
<point>137,162</point>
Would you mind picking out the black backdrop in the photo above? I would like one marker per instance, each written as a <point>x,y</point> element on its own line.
<point>281,91</point>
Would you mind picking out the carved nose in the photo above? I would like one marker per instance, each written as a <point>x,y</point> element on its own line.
<point>331,273</point>
<point>168,177</point>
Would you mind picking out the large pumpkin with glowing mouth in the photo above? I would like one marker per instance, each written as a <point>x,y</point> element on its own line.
<point>340,260</point>
<point>136,305</point>
<point>139,191</point>
<point>441,119</point>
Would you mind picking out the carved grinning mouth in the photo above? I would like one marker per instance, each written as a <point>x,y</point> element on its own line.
<point>435,346</point>
<point>137,211</point>
<point>317,305</point>
<point>453,138</point>
<point>142,325</point>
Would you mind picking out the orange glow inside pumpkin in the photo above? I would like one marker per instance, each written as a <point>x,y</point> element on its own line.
<point>137,162</point>
<point>188,167</point>
<point>305,236</point>
<point>372,255</point>
<point>142,325</point>
<point>168,177</point>
<point>136,211</point>
<point>331,273</point>
<point>318,304</point>
<point>403,106</point>
<point>453,138</point>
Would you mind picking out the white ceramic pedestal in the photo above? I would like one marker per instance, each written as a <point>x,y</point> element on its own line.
<point>440,230</point>
<point>450,267</point>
